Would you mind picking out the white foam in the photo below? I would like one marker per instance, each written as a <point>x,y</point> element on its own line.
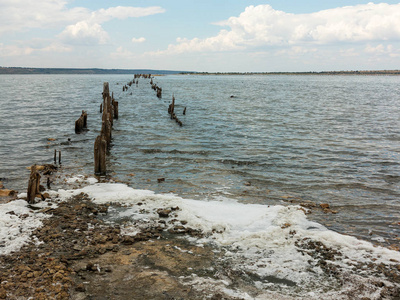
<point>17,221</point>
<point>81,179</point>
<point>260,239</point>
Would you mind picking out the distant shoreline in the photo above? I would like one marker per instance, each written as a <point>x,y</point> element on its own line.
<point>381,72</point>
<point>89,71</point>
<point>95,71</point>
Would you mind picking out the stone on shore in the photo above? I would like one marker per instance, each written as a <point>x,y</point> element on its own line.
<point>7,192</point>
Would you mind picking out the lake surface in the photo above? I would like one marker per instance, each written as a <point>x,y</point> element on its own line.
<point>257,139</point>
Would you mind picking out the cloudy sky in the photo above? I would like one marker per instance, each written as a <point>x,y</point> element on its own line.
<point>207,35</point>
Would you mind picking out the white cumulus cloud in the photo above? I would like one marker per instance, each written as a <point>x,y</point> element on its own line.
<point>81,25</point>
<point>263,26</point>
<point>84,33</point>
<point>90,31</point>
<point>124,12</point>
<point>17,15</point>
<point>13,50</point>
<point>138,40</point>
<point>381,49</point>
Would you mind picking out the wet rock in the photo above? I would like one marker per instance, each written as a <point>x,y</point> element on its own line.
<point>91,267</point>
<point>80,288</point>
<point>128,240</point>
<point>3,293</point>
<point>308,204</point>
<point>324,205</point>
<point>163,213</point>
<point>7,192</point>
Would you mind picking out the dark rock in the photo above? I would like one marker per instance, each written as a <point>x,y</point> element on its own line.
<point>163,213</point>
<point>80,288</point>
<point>89,267</point>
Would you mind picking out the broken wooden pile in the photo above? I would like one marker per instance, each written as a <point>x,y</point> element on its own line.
<point>103,141</point>
<point>171,111</point>
<point>171,107</point>
<point>81,123</point>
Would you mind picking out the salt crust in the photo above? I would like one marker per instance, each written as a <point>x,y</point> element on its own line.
<point>255,238</point>
<point>260,239</point>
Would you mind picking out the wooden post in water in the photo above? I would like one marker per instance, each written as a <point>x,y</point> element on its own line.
<point>59,157</point>
<point>159,92</point>
<point>101,107</point>
<point>108,110</point>
<point>106,90</point>
<point>171,111</point>
<point>55,156</point>
<point>81,123</point>
<point>106,131</point>
<point>103,141</point>
<point>171,107</point>
<point>84,115</point>
<point>116,110</point>
<point>100,149</point>
<point>33,185</point>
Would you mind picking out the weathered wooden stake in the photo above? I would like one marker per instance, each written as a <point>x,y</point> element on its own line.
<point>101,107</point>
<point>116,110</point>
<point>59,157</point>
<point>55,156</point>
<point>81,123</point>
<point>106,90</point>
<point>100,149</point>
<point>106,131</point>
<point>33,185</point>
<point>108,110</point>
<point>84,115</point>
<point>184,111</point>
<point>171,109</point>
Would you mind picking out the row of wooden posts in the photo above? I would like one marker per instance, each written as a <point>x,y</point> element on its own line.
<point>135,81</point>
<point>156,88</point>
<point>125,87</point>
<point>145,76</point>
<point>171,111</point>
<point>102,144</point>
<point>171,107</point>
<point>109,110</point>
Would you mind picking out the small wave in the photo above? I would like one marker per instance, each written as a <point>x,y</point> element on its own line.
<point>174,151</point>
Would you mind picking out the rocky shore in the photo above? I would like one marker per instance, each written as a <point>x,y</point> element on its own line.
<point>76,255</point>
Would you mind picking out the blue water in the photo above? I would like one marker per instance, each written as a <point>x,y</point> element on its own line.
<point>258,139</point>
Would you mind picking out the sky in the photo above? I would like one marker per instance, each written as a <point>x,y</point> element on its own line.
<point>203,36</point>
